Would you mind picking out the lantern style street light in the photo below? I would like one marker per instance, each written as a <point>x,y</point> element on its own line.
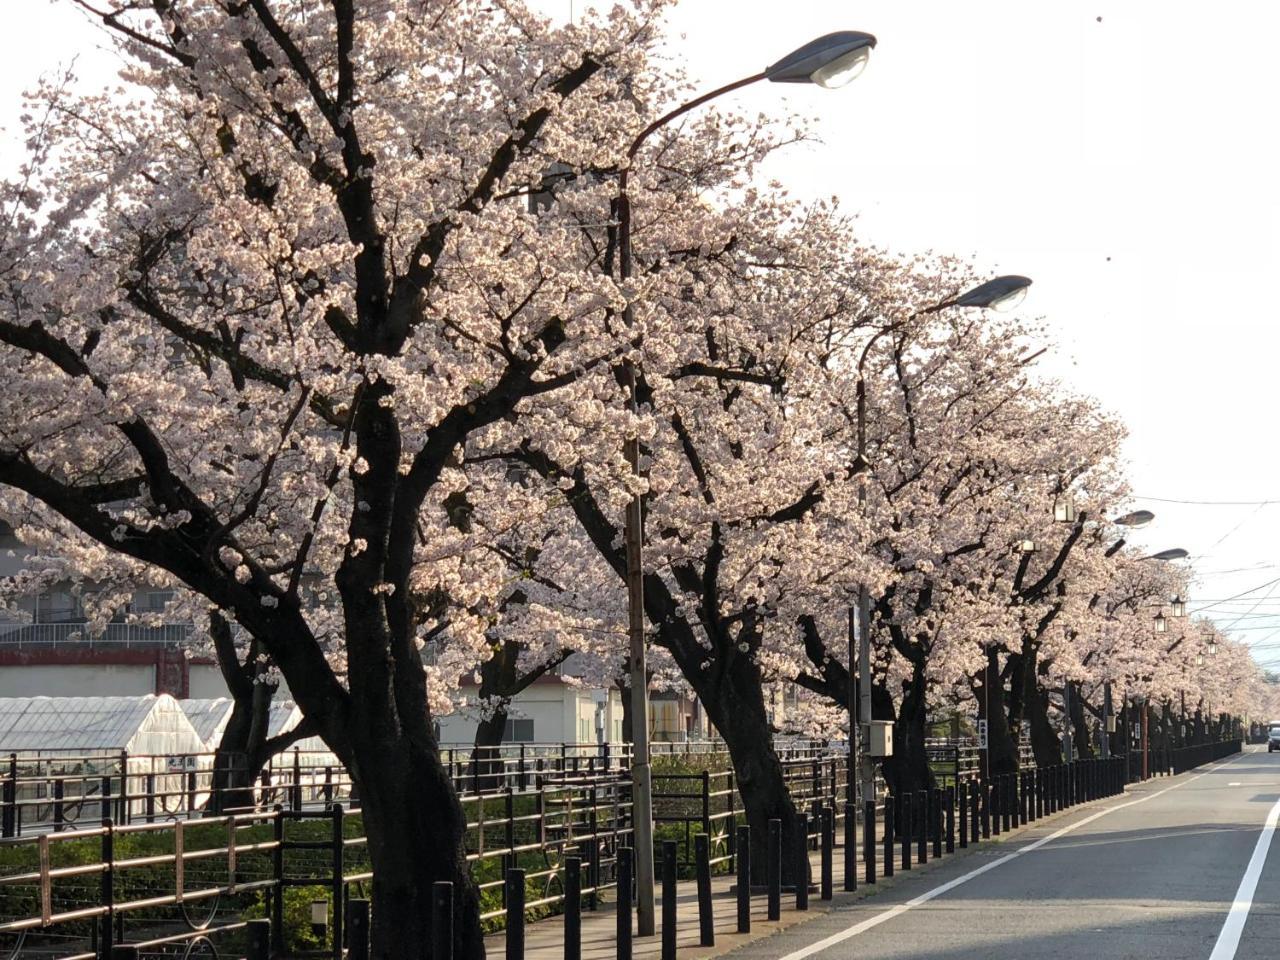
<point>1177,608</point>
<point>1161,624</point>
<point>830,61</point>
<point>1064,509</point>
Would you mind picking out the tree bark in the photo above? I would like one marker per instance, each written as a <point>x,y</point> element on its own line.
<point>988,691</point>
<point>734,701</point>
<point>1045,742</point>
<point>908,769</point>
<point>416,831</point>
<point>1080,725</point>
<point>487,766</point>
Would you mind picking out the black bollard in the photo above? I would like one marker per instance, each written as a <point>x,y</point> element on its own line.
<point>1006,802</point>
<point>357,930</point>
<point>706,919</point>
<point>669,905</point>
<point>744,879</point>
<point>774,870</point>
<point>850,846</point>
<point>515,932</point>
<point>888,836</point>
<point>801,853</point>
<point>259,939</point>
<point>573,907</point>
<point>828,852</point>
<point>922,820</point>
<point>442,920</point>
<point>935,822</point>
<point>904,829</point>
<point>975,812</point>
<point>626,880</point>
<point>951,819</point>
<point>869,840</point>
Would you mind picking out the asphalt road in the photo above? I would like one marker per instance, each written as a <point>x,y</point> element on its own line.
<point>1152,874</point>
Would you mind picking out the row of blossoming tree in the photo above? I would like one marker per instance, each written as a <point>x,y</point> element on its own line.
<point>318,322</point>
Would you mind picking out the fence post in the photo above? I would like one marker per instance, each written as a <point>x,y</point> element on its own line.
<point>706,919</point>
<point>975,812</point>
<point>10,817</point>
<point>744,879</point>
<point>625,873</point>
<point>573,908</point>
<point>774,867</point>
<point>357,930</point>
<point>515,896</point>
<point>259,937</point>
<point>962,796</point>
<point>669,916</point>
<point>442,920</point>
<point>868,844</point>
<point>277,872</point>
<point>338,884</point>
<point>106,936</point>
<point>888,835</point>
<point>990,810</point>
<point>123,813</point>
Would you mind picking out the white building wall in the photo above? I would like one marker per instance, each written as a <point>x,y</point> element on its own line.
<point>78,680</point>
<point>205,682</point>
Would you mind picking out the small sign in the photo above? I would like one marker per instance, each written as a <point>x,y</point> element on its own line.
<point>180,764</point>
<point>982,734</point>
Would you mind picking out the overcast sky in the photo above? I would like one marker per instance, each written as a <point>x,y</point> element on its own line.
<point>1122,153</point>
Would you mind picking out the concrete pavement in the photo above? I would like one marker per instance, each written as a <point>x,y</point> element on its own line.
<point>1151,874</point>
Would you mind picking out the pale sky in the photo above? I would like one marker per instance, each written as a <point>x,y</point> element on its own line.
<point>1127,164</point>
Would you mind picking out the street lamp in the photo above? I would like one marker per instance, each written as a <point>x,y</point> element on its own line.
<point>1174,553</point>
<point>1161,624</point>
<point>997,293</point>
<point>830,61</point>
<point>1177,608</point>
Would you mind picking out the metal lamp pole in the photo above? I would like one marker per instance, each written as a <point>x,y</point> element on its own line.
<point>999,292</point>
<point>830,61</point>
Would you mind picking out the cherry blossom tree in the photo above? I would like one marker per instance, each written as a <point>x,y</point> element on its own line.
<point>255,302</point>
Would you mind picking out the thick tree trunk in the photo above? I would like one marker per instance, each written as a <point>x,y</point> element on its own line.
<point>1045,743</point>
<point>416,832</point>
<point>1080,725</point>
<point>239,755</point>
<point>988,691</point>
<point>734,701</point>
<point>908,769</point>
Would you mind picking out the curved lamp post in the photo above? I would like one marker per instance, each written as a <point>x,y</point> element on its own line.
<point>991,294</point>
<point>830,61</point>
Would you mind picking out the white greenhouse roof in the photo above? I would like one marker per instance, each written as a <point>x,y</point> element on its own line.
<point>141,725</point>
<point>210,717</point>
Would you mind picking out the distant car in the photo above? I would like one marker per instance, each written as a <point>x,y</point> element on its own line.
<point>1273,738</point>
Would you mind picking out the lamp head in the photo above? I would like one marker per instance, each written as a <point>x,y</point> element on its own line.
<point>1138,518</point>
<point>1002,293</point>
<point>830,61</point>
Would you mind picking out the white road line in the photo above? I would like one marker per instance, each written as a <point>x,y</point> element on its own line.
<point>901,908</point>
<point>1229,938</point>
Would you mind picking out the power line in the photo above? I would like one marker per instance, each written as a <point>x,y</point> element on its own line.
<point>1211,503</point>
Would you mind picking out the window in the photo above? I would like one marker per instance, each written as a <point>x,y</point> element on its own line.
<point>518,731</point>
